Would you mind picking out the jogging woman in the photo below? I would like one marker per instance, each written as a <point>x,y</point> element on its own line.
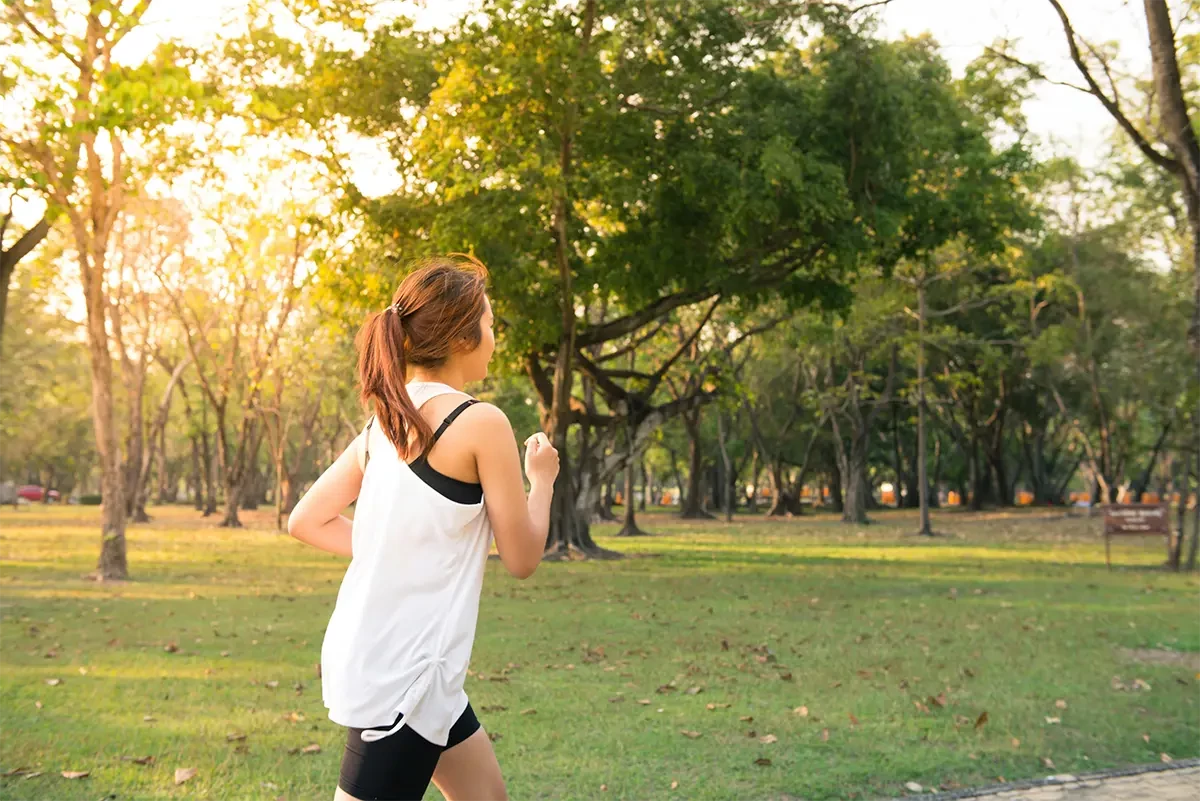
<point>434,476</point>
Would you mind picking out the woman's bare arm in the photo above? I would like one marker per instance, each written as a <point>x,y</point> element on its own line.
<point>317,518</point>
<point>520,524</point>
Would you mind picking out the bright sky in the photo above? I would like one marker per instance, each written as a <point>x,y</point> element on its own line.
<point>1075,123</point>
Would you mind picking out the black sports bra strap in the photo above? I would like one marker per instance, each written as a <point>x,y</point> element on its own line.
<point>450,418</point>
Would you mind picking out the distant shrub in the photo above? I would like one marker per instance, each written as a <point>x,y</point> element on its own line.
<point>89,500</point>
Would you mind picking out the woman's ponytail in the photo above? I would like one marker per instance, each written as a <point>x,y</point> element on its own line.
<point>436,309</point>
<point>382,376</point>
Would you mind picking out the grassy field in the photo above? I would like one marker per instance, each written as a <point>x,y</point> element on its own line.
<point>759,660</point>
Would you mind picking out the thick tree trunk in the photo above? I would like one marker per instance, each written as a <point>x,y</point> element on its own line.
<point>852,465</point>
<point>252,485</point>
<point>570,533</point>
<point>783,502</point>
<point>233,497</point>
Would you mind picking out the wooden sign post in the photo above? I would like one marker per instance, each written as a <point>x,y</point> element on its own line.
<point>1136,520</point>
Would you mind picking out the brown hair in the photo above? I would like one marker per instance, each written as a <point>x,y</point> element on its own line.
<point>437,306</point>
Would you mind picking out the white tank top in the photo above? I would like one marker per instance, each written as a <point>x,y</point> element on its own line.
<point>400,637</point>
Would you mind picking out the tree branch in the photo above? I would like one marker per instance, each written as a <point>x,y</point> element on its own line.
<point>1162,160</point>
<point>57,46</point>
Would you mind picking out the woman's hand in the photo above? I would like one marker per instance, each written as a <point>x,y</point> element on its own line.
<point>541,460</point>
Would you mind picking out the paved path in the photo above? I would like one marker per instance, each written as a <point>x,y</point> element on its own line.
<point>1177,781</point>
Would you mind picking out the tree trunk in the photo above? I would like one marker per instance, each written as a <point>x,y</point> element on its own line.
<point>974,476</point>
<point>135,444</point>
<point>926,528</point>
<point>1175,549</point>
<point>112,564</point>
<point>195,481</point>
<point>783,503</point>
<point>629,527</point>
<point>210,475</point>
<point>837,498</point>
<point>166,492</point>
<point>693,500</point>
<point>852,466</point>
<point>233,498</point>
<point>647,486</point>
<point>728,479</point>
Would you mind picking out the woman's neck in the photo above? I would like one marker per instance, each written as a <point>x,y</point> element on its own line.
<point>443,375</point>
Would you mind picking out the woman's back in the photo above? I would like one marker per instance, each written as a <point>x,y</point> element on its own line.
<point>399,640</point>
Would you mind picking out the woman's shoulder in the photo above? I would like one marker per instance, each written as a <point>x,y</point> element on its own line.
<point>486,415</point>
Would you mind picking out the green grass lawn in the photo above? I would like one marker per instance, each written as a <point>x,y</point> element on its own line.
<point>1003,649</point>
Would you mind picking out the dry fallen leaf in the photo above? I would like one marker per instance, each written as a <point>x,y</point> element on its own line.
<point>604,788</point>
<point>312,748</point>
<point>691,734</point>
<point>616,699</point>
<point>938,700</point>
<point>1048,762</point>
<point>148,718</point>
<point>54,682</point>
<point>914,787</point>
<point>235,737</point>
<point>824,735</point>
<point>920,707</point>
<point>644,701</point>
<point>746,718</point>
<point>762,762</point>
<point>767,739</point>
<point>171,648</point>
<point>711,707</point>
<point>694,690</point>
<point>271,685</point>
<point>1060,703</point>
<point>853,720</point>
<point>146,760</point>
<point>493,736</point>
<point>530,711</point>
<point>1016,743</point>
<point>183,774</point>
<point>1145,738</point>
<point>1164,757</point>
<point>802,711</point>
<point>76,774</point>
<point>674,785</point>
<point>1052,721</point>
<point>982,719</point>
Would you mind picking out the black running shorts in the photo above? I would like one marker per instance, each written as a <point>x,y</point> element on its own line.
<point>400,766</point>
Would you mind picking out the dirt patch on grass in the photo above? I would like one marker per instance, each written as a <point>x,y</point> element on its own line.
<point>1161,656</point>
